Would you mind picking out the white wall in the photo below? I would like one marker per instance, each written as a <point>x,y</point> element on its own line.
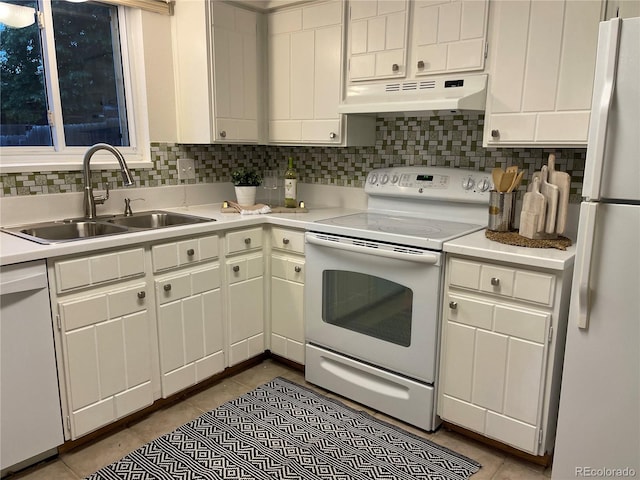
<point>158,59</point>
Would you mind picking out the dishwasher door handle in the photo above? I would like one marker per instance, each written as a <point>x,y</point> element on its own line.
<point>27,283</point>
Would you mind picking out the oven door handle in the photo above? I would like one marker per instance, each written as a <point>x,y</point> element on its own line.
<point>424,257</point>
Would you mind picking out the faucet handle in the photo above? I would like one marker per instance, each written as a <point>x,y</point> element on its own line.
<point>100,199</point>
<point>127,207</point>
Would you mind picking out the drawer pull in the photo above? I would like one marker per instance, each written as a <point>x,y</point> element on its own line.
<point>167,287</point>
<point>191,252</point>
<point>453,305</point>
<point>247,240</point>
<point>495,281</point>
<point>495,133</point>
<point>297,269</point>
<point>142,294</point>
<point>285,241</point>
<point>236,268</point>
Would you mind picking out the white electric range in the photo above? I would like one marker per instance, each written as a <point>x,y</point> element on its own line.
<point>374,285</point>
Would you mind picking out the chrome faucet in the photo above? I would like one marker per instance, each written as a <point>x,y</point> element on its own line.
<point>89,200</point>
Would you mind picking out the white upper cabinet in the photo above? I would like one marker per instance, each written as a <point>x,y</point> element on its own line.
<point>414,38</point>
<point>216,68</point>
<point>377,39</point>
<point>305,62</point>
<point>541,65</point>
<point>448,36</point>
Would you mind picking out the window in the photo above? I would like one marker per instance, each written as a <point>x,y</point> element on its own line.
<point>67,82</point>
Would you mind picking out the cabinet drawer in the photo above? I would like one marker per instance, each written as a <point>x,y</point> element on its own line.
<point>244,240</point>
<point>175,254</point>
<point>98,269</point>
<point>246,268</point>
<point>504,281</point>
<point>287,240</point>
<point>291,269</point>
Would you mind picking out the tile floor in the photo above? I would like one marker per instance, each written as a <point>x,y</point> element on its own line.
<point>81,462</point>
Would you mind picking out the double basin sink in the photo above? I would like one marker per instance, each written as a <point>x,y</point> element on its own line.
<point>83,228</point>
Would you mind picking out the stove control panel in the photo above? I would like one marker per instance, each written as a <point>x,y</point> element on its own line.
<point>438,183</point>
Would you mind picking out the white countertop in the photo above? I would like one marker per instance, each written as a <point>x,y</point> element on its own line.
<point>195,201</point>
<point>15,250</point>
<point>479,246</point>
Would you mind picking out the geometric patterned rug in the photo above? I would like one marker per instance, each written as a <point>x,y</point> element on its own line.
<point>282,430</point>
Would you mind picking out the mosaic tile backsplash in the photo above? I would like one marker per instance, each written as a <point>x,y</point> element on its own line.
<point>449,141</point>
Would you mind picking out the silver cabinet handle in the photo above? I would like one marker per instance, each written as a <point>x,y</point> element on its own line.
<point>191,252</point>
<point>332,135</point>
<point>223,133</point>
<point>285,241</point>
<point>395,67</point>
<point>167,287</point>
<point>247,240</point>
<point>236,268</point>
<point>495,281</point>
<point>495,133</point>
<point>297,269</point>
<point>142,294</point>
<point>420,64</point>
<point>453,305</point>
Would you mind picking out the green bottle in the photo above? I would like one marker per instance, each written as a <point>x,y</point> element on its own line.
<point>290,186</point>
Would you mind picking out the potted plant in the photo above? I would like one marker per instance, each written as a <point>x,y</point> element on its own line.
<point>246,182</point>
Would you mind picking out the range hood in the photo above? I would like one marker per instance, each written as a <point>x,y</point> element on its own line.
<point>442,94</point>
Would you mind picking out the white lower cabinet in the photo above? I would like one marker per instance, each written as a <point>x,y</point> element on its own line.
<point>502,342</point>
<point>287,293</point>
<point>190,331</point>
<point>106,341</point>
<point>245,294</point>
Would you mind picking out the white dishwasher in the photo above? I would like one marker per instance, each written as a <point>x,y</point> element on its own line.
<point>30,414</point>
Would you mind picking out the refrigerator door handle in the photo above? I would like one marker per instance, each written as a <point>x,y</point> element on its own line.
<point>586,234</point>
<point>601,105</point>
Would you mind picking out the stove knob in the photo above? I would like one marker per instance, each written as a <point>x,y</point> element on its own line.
<point>384,179</point>
<point>484,185</point>
<point>394,179</point>
<point>468,183</point>
<point>373,178</point>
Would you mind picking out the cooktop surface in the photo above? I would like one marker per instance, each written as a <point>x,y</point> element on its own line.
<point>401,229</point>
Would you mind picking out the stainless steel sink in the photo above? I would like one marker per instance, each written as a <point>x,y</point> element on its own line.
<point>156,219</point>
<point>54,232</point>
<point>81,229</point>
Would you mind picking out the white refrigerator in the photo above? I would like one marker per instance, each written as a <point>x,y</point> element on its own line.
<point>598,432</point>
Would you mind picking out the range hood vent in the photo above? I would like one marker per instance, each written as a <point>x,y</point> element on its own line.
<point>446,94</point>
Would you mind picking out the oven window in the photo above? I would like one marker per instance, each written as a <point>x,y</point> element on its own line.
<point>368,305</point>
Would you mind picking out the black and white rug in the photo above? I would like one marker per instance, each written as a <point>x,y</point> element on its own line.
<point>282,430</point>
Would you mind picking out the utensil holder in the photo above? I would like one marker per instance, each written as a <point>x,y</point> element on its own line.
<point>502,211</point>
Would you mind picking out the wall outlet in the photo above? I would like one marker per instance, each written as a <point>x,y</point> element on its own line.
<point>186,169</point>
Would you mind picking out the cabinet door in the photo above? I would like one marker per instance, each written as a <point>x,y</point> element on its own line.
<point>216,87</point>
<point>287,301</point>
<point>542,62</point>
<point>235,73</point>
<point>305,68</point>
<point>494,360</point>
<point>106,356</point>
<point>448,36</point>
<point>189,327</point>
<point>245,307</point>
<point>377,39</point>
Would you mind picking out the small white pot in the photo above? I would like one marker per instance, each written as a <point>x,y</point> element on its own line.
<point>246,196</point>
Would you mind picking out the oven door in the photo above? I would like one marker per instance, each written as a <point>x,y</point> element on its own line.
<point>374,302</point>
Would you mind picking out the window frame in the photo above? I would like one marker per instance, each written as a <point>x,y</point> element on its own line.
<point>69,158</point>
